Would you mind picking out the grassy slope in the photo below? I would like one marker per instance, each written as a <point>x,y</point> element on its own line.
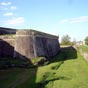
<point>71,73</point>
<point>84,48</point>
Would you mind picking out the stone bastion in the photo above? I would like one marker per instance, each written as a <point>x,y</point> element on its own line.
<point>29,44</point>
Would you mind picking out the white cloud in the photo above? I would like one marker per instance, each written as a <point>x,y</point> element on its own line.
<point>15,21</point>
<point>9,8</point>
<point>5,3</point>
<point>8,14</point>
<point>64,21</point>
<point>79,19</point>
<point>13,7</point>
<point>75,20</point>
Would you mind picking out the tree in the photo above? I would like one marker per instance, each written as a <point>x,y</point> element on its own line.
<point>86,40</point>
<point>74,42</point>
<point>65,40</point>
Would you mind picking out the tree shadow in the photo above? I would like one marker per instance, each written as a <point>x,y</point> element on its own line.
<point>42,84</point>
<point>66,53</point>
<point>70,52</point>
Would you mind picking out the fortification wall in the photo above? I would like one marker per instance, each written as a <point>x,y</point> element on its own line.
<point>24,45</point>
<point>7,31</point>
<point>7,47</point>
<point>45,46</point>
<point>30,43</point>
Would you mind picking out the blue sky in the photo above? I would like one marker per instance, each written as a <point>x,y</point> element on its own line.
<point>58,17</point>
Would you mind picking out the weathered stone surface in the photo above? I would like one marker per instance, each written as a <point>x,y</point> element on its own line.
<point>46,46</point>
<point>24,45</point>
<point>7,47</point>
<point>30,43</point>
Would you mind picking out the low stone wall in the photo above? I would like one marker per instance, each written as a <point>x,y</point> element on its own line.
<point>84,54</point>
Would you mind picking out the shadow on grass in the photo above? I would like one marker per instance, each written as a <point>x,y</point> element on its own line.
<point>51,81</point>
<point>27,78</point>
<point>66,53</point>
<point>13,71</point>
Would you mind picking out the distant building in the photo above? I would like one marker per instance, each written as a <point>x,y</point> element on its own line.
<point>80,43</point>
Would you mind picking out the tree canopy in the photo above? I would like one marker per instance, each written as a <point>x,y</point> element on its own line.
<point>65,40</point>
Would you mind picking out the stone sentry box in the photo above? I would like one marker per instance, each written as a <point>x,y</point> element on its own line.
<point>30,44</point>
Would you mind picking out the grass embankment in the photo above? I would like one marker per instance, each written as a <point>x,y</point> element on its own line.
<point>66,70</point>
<point>84,48</point>
<point>9,62</point>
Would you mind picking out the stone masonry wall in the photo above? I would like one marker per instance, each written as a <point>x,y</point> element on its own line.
<point>7,47</point>
<point>24,45</point>
<point>29,44</point>
<point>46,46</point>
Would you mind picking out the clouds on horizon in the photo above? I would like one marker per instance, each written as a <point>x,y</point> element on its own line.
<point>7,6</point>
<point>80,19</point>
<point>8,14</point>
<point>5,3</point>
<point>13,20</point>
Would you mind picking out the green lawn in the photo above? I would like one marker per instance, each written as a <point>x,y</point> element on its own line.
<point>66,70</point>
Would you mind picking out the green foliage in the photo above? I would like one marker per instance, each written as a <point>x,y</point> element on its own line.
<point>65,40</point>
<point>86,40</point>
